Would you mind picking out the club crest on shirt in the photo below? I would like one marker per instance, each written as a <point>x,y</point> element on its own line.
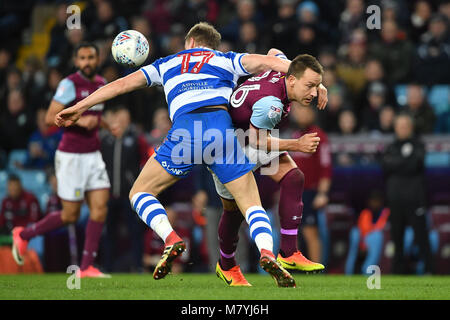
<point>84,93</point>
<point>274,112</point>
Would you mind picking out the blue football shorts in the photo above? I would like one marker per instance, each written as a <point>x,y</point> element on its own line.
<point>204,138</point>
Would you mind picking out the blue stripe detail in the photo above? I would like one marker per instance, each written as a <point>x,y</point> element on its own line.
<point>256,211</point>
<point>153,214</point>
<point>206,69</point>
<point>145,205</point>
<point>262,219</point>
<point>240,64</point>
<point>203,84</point>
<point>260,230</point>
<point>139,199</point>
<point>146,76</point>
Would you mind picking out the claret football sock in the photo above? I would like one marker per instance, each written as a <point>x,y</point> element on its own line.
<point>91,241</point>
<point>228,231</point>
<point>152,213</point>
<point>50,222</point>
<point>290,210</point>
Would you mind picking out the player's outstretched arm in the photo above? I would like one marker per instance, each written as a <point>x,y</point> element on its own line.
<point>256,63</point>
<point>69,116</point>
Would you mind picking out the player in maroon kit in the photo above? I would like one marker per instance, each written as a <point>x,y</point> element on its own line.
<point>79,166</point>
<point>259,104</point>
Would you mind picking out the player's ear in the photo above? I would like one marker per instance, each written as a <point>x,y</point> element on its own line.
<point>291,80</point>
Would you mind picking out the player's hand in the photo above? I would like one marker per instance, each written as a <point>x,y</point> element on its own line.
<point>320,201</point>
<point>322,93</point>
<point>67,117</point>
<point>308,143</point>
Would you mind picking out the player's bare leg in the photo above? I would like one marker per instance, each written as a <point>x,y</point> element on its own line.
<point>291,182</point>
<point>246,195</point>
<point>152,180</point>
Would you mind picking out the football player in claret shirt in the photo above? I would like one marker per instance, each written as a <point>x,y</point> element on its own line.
<point>79,166</point>
<point>259,105</point>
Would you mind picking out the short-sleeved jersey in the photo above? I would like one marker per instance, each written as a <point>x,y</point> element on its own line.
<point>261,100</point>
<point>71,90</point>
<point>195,78</point>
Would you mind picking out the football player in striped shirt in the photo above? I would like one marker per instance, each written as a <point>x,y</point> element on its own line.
<point>198,83</point>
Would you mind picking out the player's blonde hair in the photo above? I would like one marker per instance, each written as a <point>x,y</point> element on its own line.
<point>205,34</point>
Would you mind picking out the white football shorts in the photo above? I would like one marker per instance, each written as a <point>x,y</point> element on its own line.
<point>77,173</point>
<point>259,157</point>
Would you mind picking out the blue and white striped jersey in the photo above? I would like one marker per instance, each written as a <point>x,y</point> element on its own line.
<point>195,78</point>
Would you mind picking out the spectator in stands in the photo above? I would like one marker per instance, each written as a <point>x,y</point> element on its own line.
<point>124,150</point>
<point>374,73</point>
<point>432,60</point>
<point>19,208</point>
<point>16,125</point>
<point>351,65</point>
<point>347,122</point>
<point>329,118</point>
<point>403,164</point>
<point>317,168</point>
<point>13,82</point>
<point>107,23</point>
<point>53,202</point>
<point>394,52</point>
<point>327,57</point>
<point>419,19</point>
<point>57,37</point>
<point>352,18</point>
<point>420,110</point>
<point>376,97</point>
<point>444,8</point>
<point>307,39</point>
<point>250,39</point>
<point>54,76</point>
<point>192,11</point>
<point>366,240</point>
<point>5,60</point>
<point>161,126</point>
<point>245,11</point>
<point>42,144</point>
<point>386,120</point>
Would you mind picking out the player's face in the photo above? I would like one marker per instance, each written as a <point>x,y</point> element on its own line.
<point>86,61</point>
<point>304,90</point>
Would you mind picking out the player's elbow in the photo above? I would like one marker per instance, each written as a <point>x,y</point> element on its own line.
<point>273,52</point>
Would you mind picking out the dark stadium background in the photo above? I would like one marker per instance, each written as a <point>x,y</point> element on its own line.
<point>35,54</point>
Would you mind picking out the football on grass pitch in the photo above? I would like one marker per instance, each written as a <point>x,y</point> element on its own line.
<point>130,48</point>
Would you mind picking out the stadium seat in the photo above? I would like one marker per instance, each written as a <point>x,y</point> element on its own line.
<point>437,159</point>
<point>400,94</point>
<point>3,184</point>
<point>33,181</point>
<point>439,98</point>
<point>16,156</point>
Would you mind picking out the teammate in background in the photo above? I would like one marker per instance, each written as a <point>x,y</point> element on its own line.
<point>318,170</point>
<point>80,170</point>
<point>259,104</point>
<point>198,83</point>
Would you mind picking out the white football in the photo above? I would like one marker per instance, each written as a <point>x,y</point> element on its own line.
<point>130,48</point>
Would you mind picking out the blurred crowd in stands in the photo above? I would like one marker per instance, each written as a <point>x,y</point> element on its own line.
<point>371,75</point>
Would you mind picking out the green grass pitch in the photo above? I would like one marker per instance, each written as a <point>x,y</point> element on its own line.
<point>208,286</point>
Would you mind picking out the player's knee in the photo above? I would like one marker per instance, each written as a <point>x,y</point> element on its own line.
<point>69,217</point>
<point>229,205</point>
<point>294,179</point>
